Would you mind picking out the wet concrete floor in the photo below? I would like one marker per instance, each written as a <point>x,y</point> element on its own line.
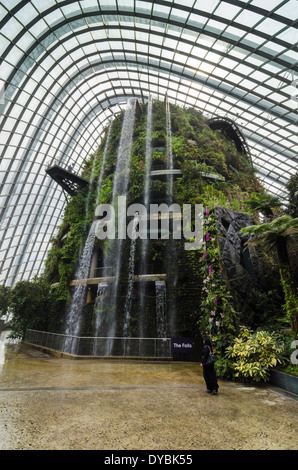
<point>49,403</point>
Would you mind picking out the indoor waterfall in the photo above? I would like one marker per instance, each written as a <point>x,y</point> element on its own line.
<point>131,271</point>
<point>78,300</point>
<point>161,321</point>
<point>144,242</point>
<point>106,303</point>
<point>102,169</point>
<point>169,149</point>
<point>102,288</point>
<point>74,313</point>
<point>120,185</point>
<point>171,247</point>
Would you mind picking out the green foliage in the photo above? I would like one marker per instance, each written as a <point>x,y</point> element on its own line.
<point>34,305</point>
<point>290,342</point>
<point>292,187</point>
<point>66,247</point>
<point>291,296</point>
<point>263,203</point>
<point>268,233</point>
<point>275,235</point>
<point>218,318</point>
<point>196,150</point>
<point>5,292</point>
<point>224,368</point>
<point>254,354</point>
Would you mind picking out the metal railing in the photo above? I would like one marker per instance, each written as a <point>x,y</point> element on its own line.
<point>101,346</point>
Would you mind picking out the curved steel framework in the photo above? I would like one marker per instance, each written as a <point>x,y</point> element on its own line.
<point>230,129</point>
<point>67,66</point>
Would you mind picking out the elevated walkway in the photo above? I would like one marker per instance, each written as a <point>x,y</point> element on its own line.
<point>98,280</point>
<point>177,172</point>
<point>69,181</point>
<point>212,176</point>
<point>230,130</point>
<point>165,172</point>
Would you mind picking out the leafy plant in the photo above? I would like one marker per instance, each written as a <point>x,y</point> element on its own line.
<point>263,203</point>
<point>218,317</point>
<point>4,299</point>
<point>34,305</point>
<point>254,354</point>
<point>196,150</point>
<point>276,235</point>
<point>292,187</point>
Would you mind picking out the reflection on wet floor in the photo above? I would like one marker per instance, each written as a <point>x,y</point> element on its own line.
<point>51,403</point>
<point>7,346</point>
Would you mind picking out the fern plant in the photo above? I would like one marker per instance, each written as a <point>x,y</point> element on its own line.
<point>276,235</point>
<point>263,203</point>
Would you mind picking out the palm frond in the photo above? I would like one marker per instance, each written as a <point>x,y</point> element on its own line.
<point>283,226</point>
<point>261,202</point>
<point>268,233</point>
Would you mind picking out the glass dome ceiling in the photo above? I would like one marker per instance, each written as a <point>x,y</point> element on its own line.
<point>67,66</point>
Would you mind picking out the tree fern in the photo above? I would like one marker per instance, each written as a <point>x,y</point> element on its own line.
<point>276,235</point>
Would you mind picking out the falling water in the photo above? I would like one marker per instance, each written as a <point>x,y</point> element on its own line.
<point>88,203</point>
<point>102,289</point>
<point>160,290</point>
<point>148,156</point>
<point>169,148</point>
<point>144,242</point>
<point>74,313</point>
<point>89,192</point>
<point>124,151</point>
<point>103,163</point>
<point>121,178</point>
<point>161,321</point>
<point>131,271</point>
<point>171,246</point>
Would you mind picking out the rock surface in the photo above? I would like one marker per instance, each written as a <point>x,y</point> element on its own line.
<point>244,271</point>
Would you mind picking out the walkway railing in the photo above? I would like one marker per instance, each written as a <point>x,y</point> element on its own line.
<point>101,346</point>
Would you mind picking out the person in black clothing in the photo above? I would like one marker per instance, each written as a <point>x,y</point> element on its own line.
<point>208,370</point>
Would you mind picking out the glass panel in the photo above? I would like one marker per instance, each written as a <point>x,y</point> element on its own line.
<point>125,5</point>
<point>227,11</point>
<point>196,20</point>
<point>71,10</point>
<point>65,126</point>
<point>161,11</point>
<point>26,14</point>
<point>178,15</point>
<point>269,26</point>
<point>290,35</point>
<point>41,5</point>
<point>12,28</point>
<point>287,9</point>
<point>264,3</point>
<point>206,6</point>
<point>248,18</point>
<point>4,43</point>
<point>143,7</point>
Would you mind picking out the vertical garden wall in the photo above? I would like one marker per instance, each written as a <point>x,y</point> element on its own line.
<point>203,288</point>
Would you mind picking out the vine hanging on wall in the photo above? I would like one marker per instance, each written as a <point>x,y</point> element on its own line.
<point>217,315</point>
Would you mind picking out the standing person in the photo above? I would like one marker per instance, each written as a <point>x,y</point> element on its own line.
<point>208,369</point>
